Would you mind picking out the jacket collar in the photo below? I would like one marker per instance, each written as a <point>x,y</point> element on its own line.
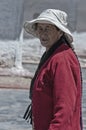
<point>44,58</point>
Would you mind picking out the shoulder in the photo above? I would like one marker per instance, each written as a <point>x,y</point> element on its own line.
<point>64,55</point>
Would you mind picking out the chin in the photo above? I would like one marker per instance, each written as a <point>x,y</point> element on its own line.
<point>44,43</point>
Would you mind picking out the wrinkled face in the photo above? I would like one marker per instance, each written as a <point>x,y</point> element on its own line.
<point>48,34</point>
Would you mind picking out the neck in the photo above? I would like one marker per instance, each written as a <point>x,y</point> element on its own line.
<point>56,42</point>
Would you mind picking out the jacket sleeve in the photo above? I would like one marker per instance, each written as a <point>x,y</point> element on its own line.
<point>64,96</point>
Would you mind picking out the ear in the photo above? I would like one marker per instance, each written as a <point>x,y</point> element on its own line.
<point>60,33</point>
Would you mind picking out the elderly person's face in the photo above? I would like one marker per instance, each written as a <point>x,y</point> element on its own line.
<point>48,34</point>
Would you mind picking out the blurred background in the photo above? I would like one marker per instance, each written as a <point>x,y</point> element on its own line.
<point>15,45</point>
<point>20,53</point>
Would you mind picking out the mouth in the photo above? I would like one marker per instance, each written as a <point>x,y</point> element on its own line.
<point>44,40</point>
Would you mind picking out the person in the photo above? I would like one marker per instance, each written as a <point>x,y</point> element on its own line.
<point>56,88</point>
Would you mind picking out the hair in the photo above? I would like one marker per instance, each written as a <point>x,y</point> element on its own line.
<point>57,28</point>
<point>67,42</point>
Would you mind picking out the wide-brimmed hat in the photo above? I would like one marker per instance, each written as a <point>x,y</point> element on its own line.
<point>50,16</point>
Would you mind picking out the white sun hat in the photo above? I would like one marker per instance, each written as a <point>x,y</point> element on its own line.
<point>50,16</point>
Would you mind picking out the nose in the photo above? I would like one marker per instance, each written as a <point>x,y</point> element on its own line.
<point>43,33</point>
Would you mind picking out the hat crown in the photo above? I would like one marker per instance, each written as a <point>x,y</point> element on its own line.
<point>54,14</point>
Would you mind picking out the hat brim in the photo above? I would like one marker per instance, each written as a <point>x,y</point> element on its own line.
<point>28,26</point>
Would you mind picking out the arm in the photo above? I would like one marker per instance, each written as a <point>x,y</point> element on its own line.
<point>64,96</point>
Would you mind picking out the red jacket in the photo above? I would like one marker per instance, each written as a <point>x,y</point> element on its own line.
<point>56,98</point>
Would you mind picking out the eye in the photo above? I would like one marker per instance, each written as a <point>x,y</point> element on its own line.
<point>47,29</point>
<point>39,29</point>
